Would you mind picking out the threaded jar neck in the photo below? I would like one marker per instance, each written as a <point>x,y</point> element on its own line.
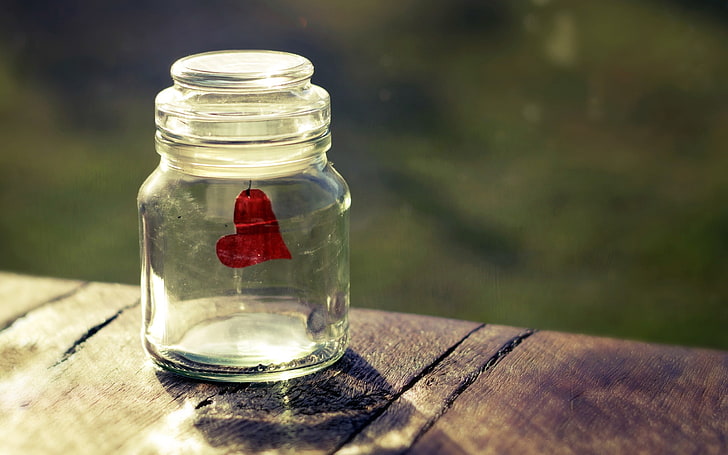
<point>242,109</point>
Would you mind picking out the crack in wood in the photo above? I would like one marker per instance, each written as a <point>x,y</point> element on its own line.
<point>505,350</point>
<point>470,379</point>
<point>91,332</point>
<point>422,374</point>
<point>50,301</point>
<point>206,402</point>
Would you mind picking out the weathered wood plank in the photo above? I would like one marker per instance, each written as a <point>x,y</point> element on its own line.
<point>47,334</point>
<point>102,396</point>
<point>73,379</point>
<point>21,293</point>
<point>570,394</point>
<point>419,407</point>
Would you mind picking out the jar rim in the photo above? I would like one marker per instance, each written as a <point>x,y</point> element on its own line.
<point>249,70</point>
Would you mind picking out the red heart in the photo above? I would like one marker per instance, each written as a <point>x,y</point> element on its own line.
<point>258,237</point>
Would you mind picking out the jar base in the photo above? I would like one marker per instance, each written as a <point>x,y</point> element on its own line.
<point>254,347</point>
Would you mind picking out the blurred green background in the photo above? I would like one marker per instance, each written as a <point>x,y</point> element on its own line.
<point>547,163</point>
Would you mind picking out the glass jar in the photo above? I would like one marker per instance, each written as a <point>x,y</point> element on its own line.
<point>244,224</point>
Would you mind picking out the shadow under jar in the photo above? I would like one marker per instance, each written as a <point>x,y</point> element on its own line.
<point>244,224</point>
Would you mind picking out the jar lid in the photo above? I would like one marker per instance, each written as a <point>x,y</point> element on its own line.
<point>242,70</point>
<point>242,97</point>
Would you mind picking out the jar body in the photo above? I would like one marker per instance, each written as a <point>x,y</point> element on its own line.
<point>271,320</point>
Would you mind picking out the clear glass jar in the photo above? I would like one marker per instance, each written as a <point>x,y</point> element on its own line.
<point>244,224</point>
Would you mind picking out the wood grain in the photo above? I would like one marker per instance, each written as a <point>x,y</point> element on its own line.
<point>101,396</point>
<point>571,394</point>
<point>21,293</point>
<point>73,379</point>
<point>50,333</point>
<point>418,407</point>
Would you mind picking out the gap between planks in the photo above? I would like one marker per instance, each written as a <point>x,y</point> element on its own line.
<point>79,343</point>
<point>374,436</point>
<point>491,363</point>
<point>49,301</point>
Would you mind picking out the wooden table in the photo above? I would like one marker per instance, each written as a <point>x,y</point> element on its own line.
<point>73,380</point>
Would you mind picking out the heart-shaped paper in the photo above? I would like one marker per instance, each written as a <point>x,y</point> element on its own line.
<point>258,238</point>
